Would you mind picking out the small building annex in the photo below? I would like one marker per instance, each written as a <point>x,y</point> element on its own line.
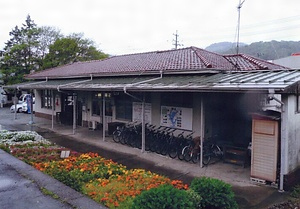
<point>238,98</point>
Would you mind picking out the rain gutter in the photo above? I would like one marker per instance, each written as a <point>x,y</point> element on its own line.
<point>27,84</point>
<point>76,82</point>
<point>140,82</point>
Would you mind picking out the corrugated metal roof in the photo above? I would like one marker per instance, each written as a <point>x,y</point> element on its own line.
<point>279,80</point>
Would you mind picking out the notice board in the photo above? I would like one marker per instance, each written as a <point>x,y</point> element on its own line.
<point>177,117</point>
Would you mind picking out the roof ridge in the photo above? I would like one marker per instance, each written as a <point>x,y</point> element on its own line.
<point>203,59</point>
<point>254,60</point>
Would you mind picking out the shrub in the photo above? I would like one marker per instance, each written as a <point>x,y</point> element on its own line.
<point>195,197</point>
<point>215,193</point>
<point>163,197</point>
<point>296,191</point>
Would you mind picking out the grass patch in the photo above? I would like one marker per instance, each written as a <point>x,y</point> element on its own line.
<point>49,193</point>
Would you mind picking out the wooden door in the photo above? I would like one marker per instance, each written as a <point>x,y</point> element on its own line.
<point>264,154</point>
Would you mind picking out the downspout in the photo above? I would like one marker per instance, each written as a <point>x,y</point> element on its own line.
<point>283,122</point>
<point>143,105</point>
<point>283,145</point>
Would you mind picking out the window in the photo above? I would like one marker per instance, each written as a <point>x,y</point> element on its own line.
<point>177,99</point>
<point>97,104</point>
<point>123,107</point>
<point>46,99</point>
<point>298,100</point>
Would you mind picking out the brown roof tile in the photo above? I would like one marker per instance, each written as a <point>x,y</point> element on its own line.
<point>186,59</point>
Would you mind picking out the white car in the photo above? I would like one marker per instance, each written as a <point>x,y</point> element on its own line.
<point>19,107</point>
<point>25,106</point>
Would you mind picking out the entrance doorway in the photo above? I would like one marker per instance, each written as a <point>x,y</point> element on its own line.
<point>67,109</point>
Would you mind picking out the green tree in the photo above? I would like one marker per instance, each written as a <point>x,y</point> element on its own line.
<point>47,36</point>
<point>73,48</point>
<point>20,54</point>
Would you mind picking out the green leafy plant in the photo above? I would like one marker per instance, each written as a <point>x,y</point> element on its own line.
<point>295,191</point>
<point>195,197</point>
<point>216,194</point>
<point>163,197</point>
<point>5,147</point>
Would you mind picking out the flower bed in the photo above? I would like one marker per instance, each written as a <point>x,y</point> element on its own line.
<point>105,181</point>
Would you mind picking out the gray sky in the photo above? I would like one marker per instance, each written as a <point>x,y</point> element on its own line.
<point>133,26</point>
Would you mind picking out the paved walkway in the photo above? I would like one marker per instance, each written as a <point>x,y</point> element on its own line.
<point>248,195</point>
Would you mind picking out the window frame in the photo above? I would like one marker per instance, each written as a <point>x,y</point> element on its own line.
<point>46,99</point>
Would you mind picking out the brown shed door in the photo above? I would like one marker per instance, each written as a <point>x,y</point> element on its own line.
<point>264,149</point>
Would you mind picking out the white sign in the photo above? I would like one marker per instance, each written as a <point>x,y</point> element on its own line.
<point>177,117</point>
<point>137,112</point>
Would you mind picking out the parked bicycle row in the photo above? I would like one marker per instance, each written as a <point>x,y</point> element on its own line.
<point>167,141</point>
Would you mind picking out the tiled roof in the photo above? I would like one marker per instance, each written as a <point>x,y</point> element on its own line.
<point>180,60</point>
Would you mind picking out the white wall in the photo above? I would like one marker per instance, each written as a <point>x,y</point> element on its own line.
<point>291,62</point>
<point>38,103</point>
<point>290,135</point>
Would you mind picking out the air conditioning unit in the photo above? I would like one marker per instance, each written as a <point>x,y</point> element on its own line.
<point>271,102</point>
<point>93,125</point>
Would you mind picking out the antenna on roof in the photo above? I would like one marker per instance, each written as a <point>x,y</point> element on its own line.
<point>176,41</point>
<point>238,27</point>
<point>238,32</point>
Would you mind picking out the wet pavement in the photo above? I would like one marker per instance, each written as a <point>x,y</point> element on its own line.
<point>248,195</point>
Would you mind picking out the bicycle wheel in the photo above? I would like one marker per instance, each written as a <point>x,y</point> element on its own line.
<point>173,152</point>
<point>117,136</point>
<point>180,154</point>
<point>195,157</point>
<point>206,159</point>
<point>187,153</point>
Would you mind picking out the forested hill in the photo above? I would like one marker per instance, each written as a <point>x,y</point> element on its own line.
<point>263,50</point>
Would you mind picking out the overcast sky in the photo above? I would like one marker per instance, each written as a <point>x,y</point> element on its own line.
<point>133,26</point>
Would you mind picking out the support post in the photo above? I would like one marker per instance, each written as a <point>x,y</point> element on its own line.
<point>52,105</point>
<point>74,113</point>
<point>103,116</point>
<point>15,103</point>
<point>143,124</point>
<point>201,132</point>
<point>31,108</point>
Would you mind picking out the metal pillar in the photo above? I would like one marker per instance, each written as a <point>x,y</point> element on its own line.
<point>15,103</point>
<point>143,124</point>
<point>31,108</point>
<point>74,113</point>
<point>103,116</point>
<point>201,132</point>
<point>52,104</point>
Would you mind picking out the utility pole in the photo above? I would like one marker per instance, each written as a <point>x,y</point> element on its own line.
<point>176,42</point>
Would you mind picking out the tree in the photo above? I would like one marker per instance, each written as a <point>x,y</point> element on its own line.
<point>73,48</point>
<point>20,54</point>
<point>47,36</point>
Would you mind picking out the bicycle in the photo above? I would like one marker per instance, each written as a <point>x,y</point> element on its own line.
<point>211,151</point>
